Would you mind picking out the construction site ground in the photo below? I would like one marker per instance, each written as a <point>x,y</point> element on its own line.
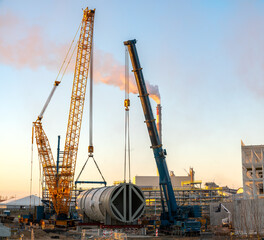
<point>35,232</point>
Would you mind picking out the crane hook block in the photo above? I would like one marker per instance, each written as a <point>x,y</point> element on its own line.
<point>90,149</point>
<point>56,83</point>
<point>127,103</point>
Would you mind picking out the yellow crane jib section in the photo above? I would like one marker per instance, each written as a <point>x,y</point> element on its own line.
<point>46,159</point>
<point>76,111</point>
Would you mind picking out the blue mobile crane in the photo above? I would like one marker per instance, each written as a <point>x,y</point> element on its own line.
<point>180,219</point>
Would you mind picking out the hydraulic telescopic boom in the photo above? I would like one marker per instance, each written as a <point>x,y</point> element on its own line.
<point>156,145</point>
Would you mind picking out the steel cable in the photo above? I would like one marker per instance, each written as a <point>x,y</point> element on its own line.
<point>127,135</point>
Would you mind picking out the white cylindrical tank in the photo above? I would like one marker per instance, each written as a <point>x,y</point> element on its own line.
<point>125,203</point>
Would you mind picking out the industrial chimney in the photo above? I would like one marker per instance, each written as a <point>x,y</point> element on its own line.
<point>159,121</point>
<point>192,174</point>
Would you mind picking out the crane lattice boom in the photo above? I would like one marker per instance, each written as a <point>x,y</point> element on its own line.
<point>46,159</point>
<point>76,110</point>
<point>60,185</point>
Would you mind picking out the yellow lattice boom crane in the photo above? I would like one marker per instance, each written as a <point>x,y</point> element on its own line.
<point>60,185</point>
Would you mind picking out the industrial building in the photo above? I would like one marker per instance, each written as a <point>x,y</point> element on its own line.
<point>187,191</point>
<point>252,167</point>
<point>153,181</point>
<point>246,214</point>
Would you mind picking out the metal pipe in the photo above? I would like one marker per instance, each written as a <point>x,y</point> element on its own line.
<point>56,84</point>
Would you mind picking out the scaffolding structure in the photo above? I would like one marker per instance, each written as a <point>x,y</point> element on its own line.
<point>184,196</point>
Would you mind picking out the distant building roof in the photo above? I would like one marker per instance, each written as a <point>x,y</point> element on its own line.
<point>153,181</point>
<point>211,185</point>
<point>25,201</point>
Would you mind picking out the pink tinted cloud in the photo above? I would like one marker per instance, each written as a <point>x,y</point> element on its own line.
<point>23,46</point>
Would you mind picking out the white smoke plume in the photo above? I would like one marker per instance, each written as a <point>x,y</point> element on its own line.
<point>109,71</point>
<point>26,46</point>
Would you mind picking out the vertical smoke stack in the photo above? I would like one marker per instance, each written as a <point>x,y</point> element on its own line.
<point>192,174</point>
<point>159,121</point>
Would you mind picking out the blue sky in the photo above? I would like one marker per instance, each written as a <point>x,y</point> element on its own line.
<point>206,57</point>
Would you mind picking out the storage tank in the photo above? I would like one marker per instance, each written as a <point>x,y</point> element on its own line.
<point>124,203</point>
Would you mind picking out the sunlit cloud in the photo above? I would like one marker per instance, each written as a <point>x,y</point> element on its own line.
<point>33,50</point>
